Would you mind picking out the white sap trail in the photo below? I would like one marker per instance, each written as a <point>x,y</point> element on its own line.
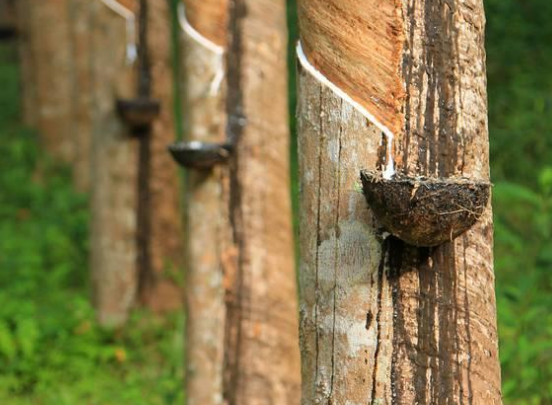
<point>130,18</point>
<point>206,43</point>
<point>390,166</point>
<point>191,31</point>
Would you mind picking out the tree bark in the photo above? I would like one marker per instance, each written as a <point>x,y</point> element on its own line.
<point>159,289</point>
<point>48,23</point>
<point>383,322</point>
<point>240,289</point>
<point>81,92</point>
<point>206,213</point>
<point>115,178</point>
<point>55,64</point>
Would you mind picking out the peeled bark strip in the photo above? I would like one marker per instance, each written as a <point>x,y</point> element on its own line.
<point>158,289</point>
<point>241,292</point>
<point>209,18</point>
<point>383,322</point>
<point>206,220</point>
<point>358,46</point>
<point>115,163</point>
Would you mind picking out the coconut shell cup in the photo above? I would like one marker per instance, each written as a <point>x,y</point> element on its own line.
<point>425,212</point>
<point>200,155</point>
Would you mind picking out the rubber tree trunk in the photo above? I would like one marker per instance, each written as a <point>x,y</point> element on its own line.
<point>160,197</point>
<point>46,26</point>
<point>383,322</point>
<point>240,284</point>
<point>206,214</point>
<point>114,203</point>
<point>55,64</point>
<point>80,18</point>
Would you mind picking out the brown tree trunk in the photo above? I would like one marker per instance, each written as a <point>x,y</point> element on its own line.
<point>136,227</point>
<point>207,223</point>
<point>55,64</point>
<point>81,92</point>
<point>47,23</point>
<point>240,284</point>
<point>383,322</point>
<point>115,166</point>
<point>160,267</point>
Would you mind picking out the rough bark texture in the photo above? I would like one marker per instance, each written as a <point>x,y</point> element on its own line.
<point>241,292</point>
<point>55,64</point>
<point>115,163</point>
<point>206,222</point>
<point>50,47</point>
<point>210,18</point>
<point>262,355</point>
<point>383,322</point>
<point>159,289</point>
<point>81,92</point>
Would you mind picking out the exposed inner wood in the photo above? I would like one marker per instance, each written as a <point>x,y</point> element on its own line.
<point>431,336</point>
<point>132,5</point>
<point>358,46</point>
<point>209,18</point>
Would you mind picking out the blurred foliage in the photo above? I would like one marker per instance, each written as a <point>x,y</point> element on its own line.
<point>51,350</point>
<point>519,54</point>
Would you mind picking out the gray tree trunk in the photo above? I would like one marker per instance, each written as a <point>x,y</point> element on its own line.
<point>114,203</point>
<point>241,293</point>
<point>383,322</point>
<point>80,17</point>
<point>47,50</point>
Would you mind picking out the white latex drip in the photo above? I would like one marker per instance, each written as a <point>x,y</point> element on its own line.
<point>206,43</point>
<point>389,171</point>
<point>191,31</point>
<point>130,18</point>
